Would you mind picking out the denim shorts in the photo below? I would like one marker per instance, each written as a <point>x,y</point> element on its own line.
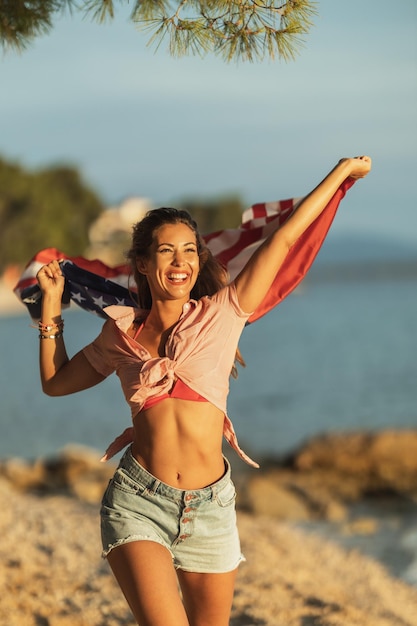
<point>198,527</point>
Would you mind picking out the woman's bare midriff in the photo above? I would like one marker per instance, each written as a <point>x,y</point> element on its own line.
<point>180,442</point>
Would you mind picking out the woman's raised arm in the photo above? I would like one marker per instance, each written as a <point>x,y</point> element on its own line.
<point>59,375</point>
<point>256,277</point>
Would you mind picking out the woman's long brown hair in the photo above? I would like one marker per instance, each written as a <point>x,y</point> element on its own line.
<point>212,276</point>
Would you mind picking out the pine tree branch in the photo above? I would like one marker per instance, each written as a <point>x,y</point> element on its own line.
<point>99,11</point>
<point>246,30</point>
<point>236,29</point>
<point>21,21</point>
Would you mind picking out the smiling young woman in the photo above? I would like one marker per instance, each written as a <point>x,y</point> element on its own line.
<point>172,264</point>
<point>168,514</point>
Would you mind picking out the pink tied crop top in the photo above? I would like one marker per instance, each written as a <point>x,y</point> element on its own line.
<point>179,389</point>
<point>199,355</point>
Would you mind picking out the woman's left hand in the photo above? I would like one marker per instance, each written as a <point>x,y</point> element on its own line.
<point>360,166</point>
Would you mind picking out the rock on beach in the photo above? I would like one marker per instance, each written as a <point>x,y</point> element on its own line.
<point>52,573</point>
<point>331,472</point>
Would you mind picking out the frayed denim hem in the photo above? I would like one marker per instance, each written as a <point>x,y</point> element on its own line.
<point>130,539</point>
<point>197,570</point>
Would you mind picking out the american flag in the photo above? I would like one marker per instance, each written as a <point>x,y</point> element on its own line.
<point>92,285</point>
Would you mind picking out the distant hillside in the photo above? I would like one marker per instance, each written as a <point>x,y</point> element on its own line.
<point>359,247</point>
<point>353,257</point>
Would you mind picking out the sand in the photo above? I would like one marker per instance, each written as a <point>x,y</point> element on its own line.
<point>52,573</point>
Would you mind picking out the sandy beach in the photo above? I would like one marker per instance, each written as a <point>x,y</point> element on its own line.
<point>52,573</point>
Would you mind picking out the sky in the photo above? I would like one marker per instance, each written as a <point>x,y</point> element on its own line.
<point>137,122</point>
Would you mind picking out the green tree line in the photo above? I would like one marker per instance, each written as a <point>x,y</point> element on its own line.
<point>213,214</point>
<point>51,207</point>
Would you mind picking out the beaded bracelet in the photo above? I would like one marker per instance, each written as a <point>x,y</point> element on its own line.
<point>47,327</point>
<point>56,336</point>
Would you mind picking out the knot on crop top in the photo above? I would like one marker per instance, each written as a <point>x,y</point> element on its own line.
<point>156,377</point>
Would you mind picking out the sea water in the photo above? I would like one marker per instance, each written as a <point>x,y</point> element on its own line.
<point>334,356</point>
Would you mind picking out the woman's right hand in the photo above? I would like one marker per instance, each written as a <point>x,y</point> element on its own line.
<point>51,280</point>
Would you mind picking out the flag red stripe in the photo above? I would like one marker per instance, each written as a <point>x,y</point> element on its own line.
<point>302,254</point>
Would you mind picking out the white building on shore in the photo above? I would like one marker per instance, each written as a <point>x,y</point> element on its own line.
<point>110,234</point>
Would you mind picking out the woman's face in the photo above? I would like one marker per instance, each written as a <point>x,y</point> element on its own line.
<point>173,263</point>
